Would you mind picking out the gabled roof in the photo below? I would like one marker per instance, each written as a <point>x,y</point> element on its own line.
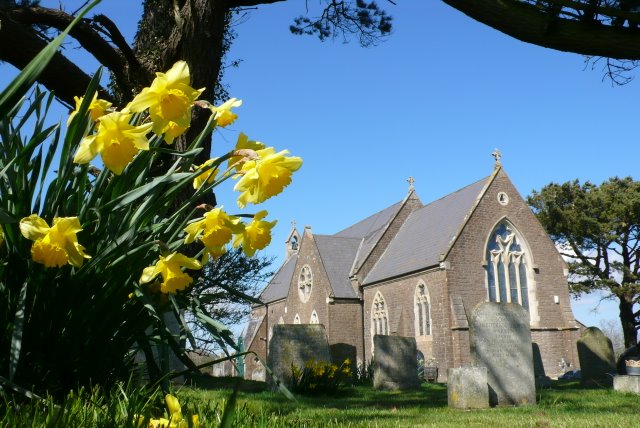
<point>337,254</point>
<point>427,233</point>
<point>278,287</point>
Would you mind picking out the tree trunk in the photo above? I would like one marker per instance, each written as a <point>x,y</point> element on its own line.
<point>628,322</point>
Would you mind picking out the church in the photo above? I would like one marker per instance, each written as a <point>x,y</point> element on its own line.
<point>418,270</point>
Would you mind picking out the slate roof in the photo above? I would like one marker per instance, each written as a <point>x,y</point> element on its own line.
<point>371,224</point>
<point>278,287</point>
<point>251,329</point>
<point>428,232</point>
<point>337,254</point>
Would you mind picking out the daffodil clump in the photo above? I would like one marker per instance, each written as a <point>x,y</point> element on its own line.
<point>104,233</point>
<point>320,377</point>
<point>174,417</point>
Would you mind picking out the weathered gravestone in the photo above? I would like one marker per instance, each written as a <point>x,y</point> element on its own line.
<point>467,388</point>
<point>295,344</point>
<point>597,362</point>
<point>500,340</point>
<point>395,365</point>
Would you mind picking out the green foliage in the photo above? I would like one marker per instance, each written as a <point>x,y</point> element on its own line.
<point>320,377</point>
<point>597,229</point>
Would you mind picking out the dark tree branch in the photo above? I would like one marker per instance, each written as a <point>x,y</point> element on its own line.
<point>536,25</point>
<point>19,46</point>
<point>125,72</point>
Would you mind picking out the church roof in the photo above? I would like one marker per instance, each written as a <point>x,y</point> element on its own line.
<point>278,287</point>
<point>337,254</point>
<point>426,234</point>
<point>251,330</point>
<point>371,224</point>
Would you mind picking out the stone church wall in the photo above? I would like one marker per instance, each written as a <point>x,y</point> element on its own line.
<point>551,322</point>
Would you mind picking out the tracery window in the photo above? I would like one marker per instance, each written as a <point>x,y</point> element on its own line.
<point>296,319</point>
<point>422,311</point>
<point>507,267</point>
<point>305,282</point>
<point>379,316</point>
<point>314,318</point>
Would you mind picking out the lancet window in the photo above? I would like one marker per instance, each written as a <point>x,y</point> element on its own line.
<point>507,267</point>
<point>422,311</point>
<point>379,316</point>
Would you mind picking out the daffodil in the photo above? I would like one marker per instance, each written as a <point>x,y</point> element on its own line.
<point>256,235</point>
<point>169,100</point>
<point>243,143</point>
<point>117,142</point>
<point>208,176</point>
<point>97,108</point>
<point>57,245</point>
<point>223,114</point>
<point>266,176</point>
<point>215,230</point>
<point>170,268</point>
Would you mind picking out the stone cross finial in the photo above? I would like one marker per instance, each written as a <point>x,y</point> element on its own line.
<point>293,224</point>
<point>411,180</point>
<point>497,156</point>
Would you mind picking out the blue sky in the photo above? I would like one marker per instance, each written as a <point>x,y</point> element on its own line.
<point>431,102</point>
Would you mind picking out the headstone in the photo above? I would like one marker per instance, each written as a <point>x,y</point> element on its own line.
<point>467,388</point>
<point>295,344</point>
<point>623,383</point>
<point>500,340</point>
<point>394,364</point>
<point>597,362</point>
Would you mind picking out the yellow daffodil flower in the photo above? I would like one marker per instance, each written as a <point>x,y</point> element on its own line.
<point>169,100</point>
<point>223,114</point>
<point>214,230</point>
<point>244,143</point>
<point>57,245</point>
<point>117,142</point>
<point>256,235</point>
<point>97,108</point>
<point>209,176</point>
<point>265,177</point>
<point>170,267</point>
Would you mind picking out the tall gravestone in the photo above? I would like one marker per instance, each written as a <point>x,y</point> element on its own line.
<point>395,365</point>
<point>500,339</point>
<point>295,344</point>
<point>597,362</point>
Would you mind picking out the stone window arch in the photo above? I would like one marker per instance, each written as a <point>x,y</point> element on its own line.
<point>296,319</point>
<point>379,316</point>
<point>422,310</point>
<point>314,318</point>
<point>508,266</point>
<point>305,283</point>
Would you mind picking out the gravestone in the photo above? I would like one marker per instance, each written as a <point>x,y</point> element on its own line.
<point>500,340</point>
<point>394,365</point>
<point>624,383</point>
<point>295,344</point>
<point>467,388</point>
<point>597,362</point>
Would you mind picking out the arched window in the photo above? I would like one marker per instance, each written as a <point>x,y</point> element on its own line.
<point>305,282</point>
<point>314,318</point>
<point>507,267</point>
<point>379,316</point>
<point>296,319</point>
<point>422,311</point>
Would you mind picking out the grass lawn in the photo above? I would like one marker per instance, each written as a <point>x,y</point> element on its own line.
<point>564,404</point>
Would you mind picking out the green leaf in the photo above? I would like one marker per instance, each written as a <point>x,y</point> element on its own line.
<point>6,217</point>
<point>16,334</point>
<point>21,84</point>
